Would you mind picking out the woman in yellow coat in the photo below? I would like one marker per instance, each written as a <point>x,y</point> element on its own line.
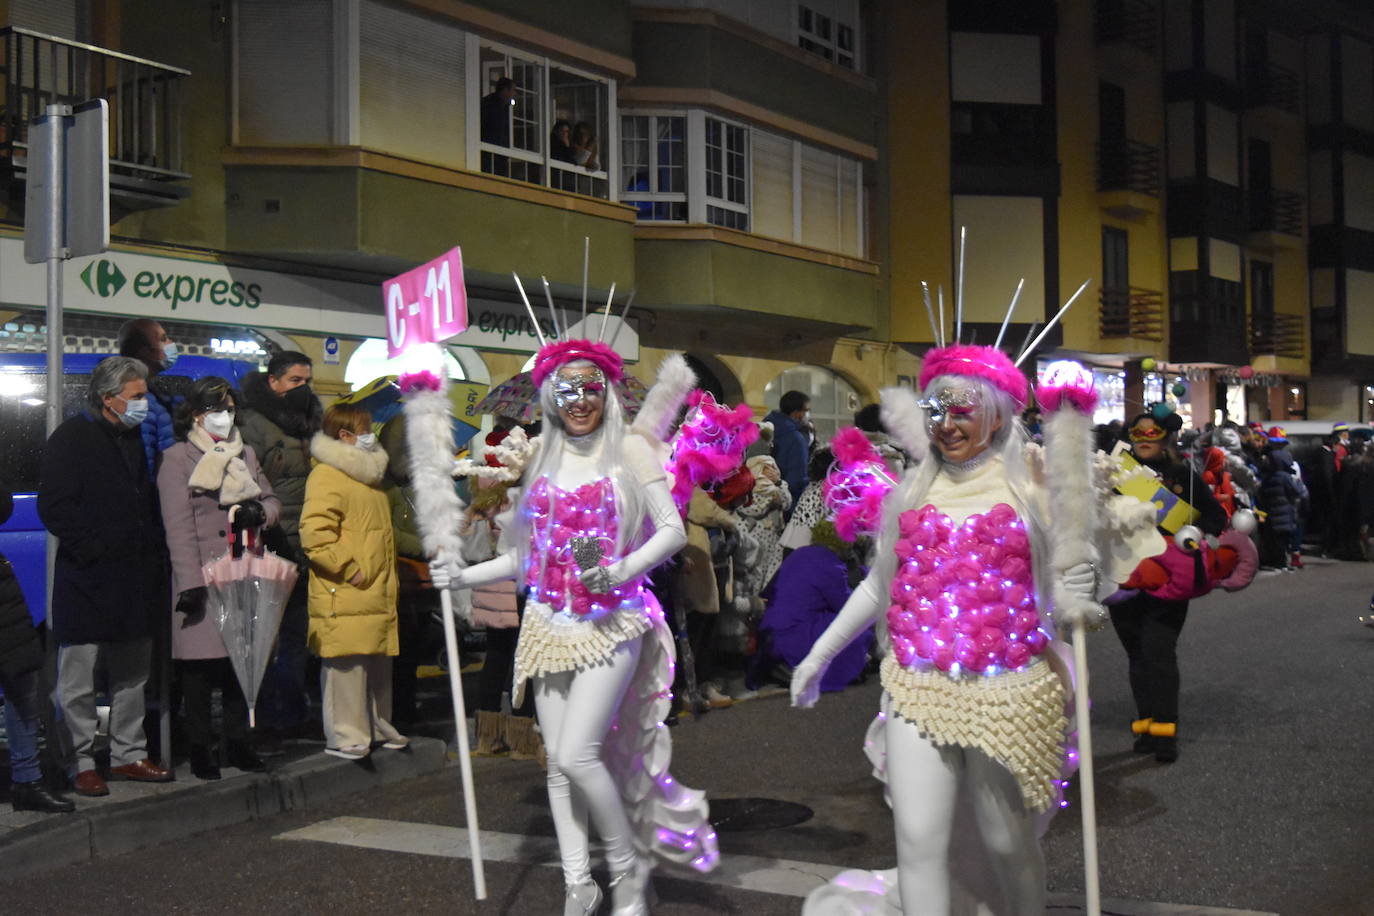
<point>346,533</point>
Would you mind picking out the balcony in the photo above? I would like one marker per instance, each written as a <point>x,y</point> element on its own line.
<point>1130,22</point>
<point>1279,335</point>
<point>146,112</point>
<point>1273,86</point>
<point>1206,320</point>
<point>1131,312</point>
<point>1128,178</point>
<point>1275,218</point>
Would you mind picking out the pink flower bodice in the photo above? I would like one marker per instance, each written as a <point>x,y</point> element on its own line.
<point>557,517</point>
<point>963,597</point>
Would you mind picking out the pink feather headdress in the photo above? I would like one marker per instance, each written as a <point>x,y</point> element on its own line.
<point>710,444</point>
<point>987,363</point>
<point>561,352</point>
<point>856,487</point>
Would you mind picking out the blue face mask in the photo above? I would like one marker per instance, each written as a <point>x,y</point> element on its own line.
<point>135,411</point>
<point>170,354</point>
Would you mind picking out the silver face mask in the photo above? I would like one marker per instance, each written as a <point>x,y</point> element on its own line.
<point>951,402</point>
<point>570,391</point>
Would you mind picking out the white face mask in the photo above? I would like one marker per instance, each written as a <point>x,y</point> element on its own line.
<point>366,441</point>
<point>218,423</point>
<point>169,354</point>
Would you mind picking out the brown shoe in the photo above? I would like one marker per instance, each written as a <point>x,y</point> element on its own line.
<point>143,771</point>
<point>89,783</point>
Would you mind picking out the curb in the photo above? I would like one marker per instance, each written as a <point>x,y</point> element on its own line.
<point>114,829</point>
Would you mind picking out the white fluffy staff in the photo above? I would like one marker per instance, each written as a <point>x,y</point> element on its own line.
<point>1067,397</point>
<point>429,438</point>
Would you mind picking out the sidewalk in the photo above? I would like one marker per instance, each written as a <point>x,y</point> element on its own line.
<point>138,815</point>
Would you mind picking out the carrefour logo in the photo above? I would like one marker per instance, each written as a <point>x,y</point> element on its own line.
<point>104,279</point>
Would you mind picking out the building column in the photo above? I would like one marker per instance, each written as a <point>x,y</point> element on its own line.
<point>1202,395</point>
<point>1133,391</point>
<point>1277,398</point>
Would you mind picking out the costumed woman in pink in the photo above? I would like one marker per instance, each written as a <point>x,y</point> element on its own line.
<point>595,518</point>
<point>973,733</point>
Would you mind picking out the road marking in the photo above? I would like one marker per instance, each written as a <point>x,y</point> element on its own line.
<point>784,877</point>
<point>751,873</point>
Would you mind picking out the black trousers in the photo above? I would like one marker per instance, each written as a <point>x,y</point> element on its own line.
<point>498,665</point>
<point>1148,628</point>
<point>198,678</point>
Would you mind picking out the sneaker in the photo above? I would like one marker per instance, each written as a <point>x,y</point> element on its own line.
<point>399,743</point>
<point>351,752</point>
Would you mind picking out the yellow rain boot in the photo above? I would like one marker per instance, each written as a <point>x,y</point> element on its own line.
<point>1144,744</point>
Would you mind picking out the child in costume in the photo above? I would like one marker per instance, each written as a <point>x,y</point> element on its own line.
<point>971,573</point>
<point>593,641</point>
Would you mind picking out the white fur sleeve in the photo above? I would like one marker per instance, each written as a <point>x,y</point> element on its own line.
<point>668,538</point>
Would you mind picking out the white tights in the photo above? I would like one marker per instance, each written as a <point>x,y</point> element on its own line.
<point>924,782</point>
<point>575,711</point>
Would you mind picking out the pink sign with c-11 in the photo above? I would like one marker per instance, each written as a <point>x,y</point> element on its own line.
<point>427,304</point>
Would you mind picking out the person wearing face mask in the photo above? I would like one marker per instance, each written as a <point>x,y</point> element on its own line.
<point>346,531</point>
<point>205,475</point>
<point>973,586</point>
<point>791,448</point>
<point>146,340</point>
<point>593,642</point>
<point>109,582</point>
<point>278,417</point>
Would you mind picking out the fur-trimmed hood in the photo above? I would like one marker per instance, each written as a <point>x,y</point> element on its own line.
<point>363,465</point>
<point>258,396</point>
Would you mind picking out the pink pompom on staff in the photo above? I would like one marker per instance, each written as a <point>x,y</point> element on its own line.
<point>857,485</point>
<point>709,445</point>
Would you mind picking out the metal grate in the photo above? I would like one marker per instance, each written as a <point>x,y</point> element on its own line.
<point>1132,312</point>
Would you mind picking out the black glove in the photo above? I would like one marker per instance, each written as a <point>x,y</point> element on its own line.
<point>250,514</point>
<point>192,601</point>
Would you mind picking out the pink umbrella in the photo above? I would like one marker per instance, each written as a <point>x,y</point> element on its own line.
<point>247,592</point>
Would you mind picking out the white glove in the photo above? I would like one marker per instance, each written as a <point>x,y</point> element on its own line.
<point>806,682</point>
<point>599,579</point>
<point>1080,580</point>
<point>446,573</point>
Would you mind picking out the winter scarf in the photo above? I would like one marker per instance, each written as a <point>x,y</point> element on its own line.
<point>221,469</point>
<point>365,465</point>
<point>258,396</point>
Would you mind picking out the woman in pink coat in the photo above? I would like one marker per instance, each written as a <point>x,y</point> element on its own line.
<point>208,471</point>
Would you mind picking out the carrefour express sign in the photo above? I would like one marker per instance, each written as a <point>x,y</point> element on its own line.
<point>125,283</point>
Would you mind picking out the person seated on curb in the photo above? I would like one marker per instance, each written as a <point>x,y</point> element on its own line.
<point>21,660</point>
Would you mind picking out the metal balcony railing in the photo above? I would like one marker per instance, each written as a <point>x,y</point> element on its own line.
<point>1132,312</point>
<point>146,100</point>
<point>1133,22</point>
<point>1276,334</point>
<point>1128,165</point>
<point>1273,85</point>
<point>1272,210</point>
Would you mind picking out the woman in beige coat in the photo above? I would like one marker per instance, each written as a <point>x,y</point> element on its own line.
<point>346,534</point>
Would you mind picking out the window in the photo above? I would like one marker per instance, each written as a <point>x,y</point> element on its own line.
<point>727,151</point>
<point>542,122</point>
<point>825,35</point>
<point>653,165</point>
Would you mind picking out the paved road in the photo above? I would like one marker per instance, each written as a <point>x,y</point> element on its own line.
<point>1268,809</point>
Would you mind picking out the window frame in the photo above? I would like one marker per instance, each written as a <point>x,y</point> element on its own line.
<point>654,195</point>
<point>476,86</point>
<point>805,37</point>
<point>724,203</point>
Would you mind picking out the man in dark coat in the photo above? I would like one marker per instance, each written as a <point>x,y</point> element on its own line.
<point>279,416</point>
<point>109,585</point>
<point>789,442</point>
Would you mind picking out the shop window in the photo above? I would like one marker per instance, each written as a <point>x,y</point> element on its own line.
<point>522,123</point>
<point>653,165</point>
<point>370,362</point>
<point>727,171</point>
<point>833,400</point>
